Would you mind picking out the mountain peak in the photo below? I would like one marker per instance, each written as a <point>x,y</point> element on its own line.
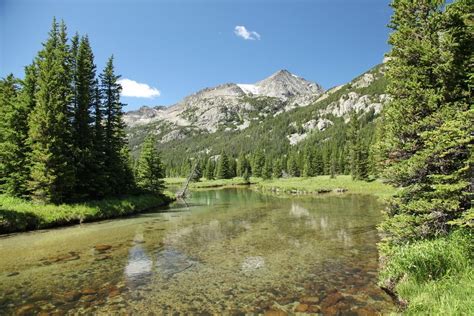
<point>284,84</point>
<point>282,73</point>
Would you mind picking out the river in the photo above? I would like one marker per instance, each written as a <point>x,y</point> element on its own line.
<point>227,251</point>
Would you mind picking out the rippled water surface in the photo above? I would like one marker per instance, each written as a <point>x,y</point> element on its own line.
<point>229,251</point>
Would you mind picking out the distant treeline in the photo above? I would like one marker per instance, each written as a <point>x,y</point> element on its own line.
<point>346,149</point>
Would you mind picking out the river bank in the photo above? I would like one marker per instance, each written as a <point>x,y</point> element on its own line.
<point>297,186</point>
<point>311,255</point>
<point>18,215</point>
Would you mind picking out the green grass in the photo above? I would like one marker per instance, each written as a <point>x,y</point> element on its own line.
<point>217,183</point>
<point>21,215</point>
<point>435,277</point>
<point>296,185</point>
<point>325,183</point>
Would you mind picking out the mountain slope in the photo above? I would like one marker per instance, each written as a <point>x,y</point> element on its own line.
<point>227,106</point>
<point>271,123</point>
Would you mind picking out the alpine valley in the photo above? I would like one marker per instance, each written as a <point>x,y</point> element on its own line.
<point>282,113</point>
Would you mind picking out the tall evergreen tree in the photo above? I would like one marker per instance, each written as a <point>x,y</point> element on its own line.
<point>277,171</point>
<point>257,163</point>
<point>308,164</point>
<point>292,165</point>
<point>242,164</point>
<point>82,124</point>
<point>354,143</point>
<point>8,99</point>
<point>318,163</point>
<point>267,169</point>
<point>98,182</point>
<point>209,170</point>
<point>223,167</point>
<point>14,163</point>
<point>52,174</point>
<point>118,171</point>
<point>428,125</point>
<point>150,171</point>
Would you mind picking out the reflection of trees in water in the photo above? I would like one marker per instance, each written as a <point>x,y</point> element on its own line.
<point>229,197</point>
<point>298,211</point>
<point>347,220</point>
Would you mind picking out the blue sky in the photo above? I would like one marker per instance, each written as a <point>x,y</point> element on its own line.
<point>177,47</point>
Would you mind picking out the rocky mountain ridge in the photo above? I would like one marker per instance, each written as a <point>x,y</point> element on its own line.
<point>231,102</point>
<point>284,109</point>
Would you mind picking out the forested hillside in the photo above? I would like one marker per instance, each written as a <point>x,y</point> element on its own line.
<point>303,141</point>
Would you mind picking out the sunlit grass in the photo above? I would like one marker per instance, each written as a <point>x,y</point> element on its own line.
<point>435,277</point>
<point>325,183</point>
<point>20,215</point>
<point>204,183</point>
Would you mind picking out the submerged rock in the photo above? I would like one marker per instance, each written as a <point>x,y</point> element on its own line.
<point>25,310</point>
<point>310,300</point>
<point>275,312</point>
<point>89,292</point>
<point>102,247</point>
<point>331,299</point>
<point>301,308</point>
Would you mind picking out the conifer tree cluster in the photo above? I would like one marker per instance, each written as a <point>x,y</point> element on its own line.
<point>62,134</point>
<point>426,142</point>
<point>344,151</point>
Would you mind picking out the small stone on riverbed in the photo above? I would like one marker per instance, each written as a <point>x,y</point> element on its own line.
<point>102,247</point>
<point>25,310</point>
<point>301,308</point>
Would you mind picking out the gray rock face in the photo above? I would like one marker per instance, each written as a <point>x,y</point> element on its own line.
<point>357,102</point>
<point>209,108</point>
<point>285,85</point>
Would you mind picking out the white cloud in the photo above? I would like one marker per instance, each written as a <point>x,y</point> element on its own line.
<point>131,88</point>
<point>241,31</point>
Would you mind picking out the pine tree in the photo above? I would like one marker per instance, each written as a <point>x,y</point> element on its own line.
<point>209,170</point>
<point>277,168</point>
<point>223,167</point>
<point>98,180</point>
<point>150,171</point>
<point>82,124</point>
<point>428,124</point>
<point>318,163</point>
<point>267,169</point>
<point>8,99</point>
<point>354,144</point>
<point>14,150</point>
<point>361,163</point>
<point>308,164</point>
<point>242,164</point>
<point>52,174</point>
<point>118,172</point>
<point>332,173</point>
<point>257,163</point>
<point>292,165</point>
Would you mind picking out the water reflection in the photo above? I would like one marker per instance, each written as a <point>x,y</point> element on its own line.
<point>171,261</point>
<point>298,211</point>
<point>253,263</point>
<point>139,265</point>
<point>232,252</point>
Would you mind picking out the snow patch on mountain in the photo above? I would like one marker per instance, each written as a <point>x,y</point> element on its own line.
<point>249,88</point>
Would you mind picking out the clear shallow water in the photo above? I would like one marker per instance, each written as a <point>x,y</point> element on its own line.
<point>228,251</point>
